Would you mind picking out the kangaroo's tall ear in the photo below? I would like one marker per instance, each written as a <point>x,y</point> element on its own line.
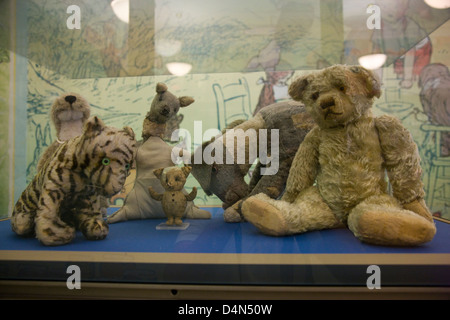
<point>158,172</point>
<point>370,80</point>
<point>185,101</point>
<point>93,126</point>
<point>298,87</point>
<point>186,170</point>
<point>161,87</point>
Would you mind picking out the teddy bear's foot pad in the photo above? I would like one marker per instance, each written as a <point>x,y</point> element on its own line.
<point>385,228</point>
<point>165,226</point>
<point>264,216</point>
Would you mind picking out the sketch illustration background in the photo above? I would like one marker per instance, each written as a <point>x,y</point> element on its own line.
<point>260,44</point>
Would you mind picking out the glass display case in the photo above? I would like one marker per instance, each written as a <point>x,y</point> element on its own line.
<point>234,58</point>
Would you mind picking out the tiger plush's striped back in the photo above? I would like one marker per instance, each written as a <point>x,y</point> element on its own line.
<point>68,192</point>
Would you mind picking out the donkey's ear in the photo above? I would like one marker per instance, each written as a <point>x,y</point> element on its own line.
<point>185,101</point>
<point>298,87</point>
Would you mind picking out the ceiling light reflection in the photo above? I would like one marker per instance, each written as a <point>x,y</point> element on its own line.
<point>179,68</point>
<point>372,61</point>
<point>438,4</point>
<point>121,9</point>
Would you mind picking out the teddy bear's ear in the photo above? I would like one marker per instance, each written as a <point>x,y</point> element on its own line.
<point>372,82</point>
<point>185,101</point>
<point>161,87</point>
<point>298,87</point>
<point>158,172</point>
<point>186,170</point>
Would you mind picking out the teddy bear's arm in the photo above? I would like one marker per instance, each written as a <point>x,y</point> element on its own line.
<point>401,157</point>
<point>155,195</point>
<point>304,167</point>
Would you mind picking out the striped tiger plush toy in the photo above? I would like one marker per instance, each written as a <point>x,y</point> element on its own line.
<point>65,195</point>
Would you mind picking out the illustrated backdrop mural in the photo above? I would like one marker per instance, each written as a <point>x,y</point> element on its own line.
<point>248,50</point>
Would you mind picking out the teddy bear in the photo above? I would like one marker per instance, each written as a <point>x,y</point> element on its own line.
<point>227,180</point>
<point>173,199</point>
<point>69,113</point>
<point>338,175</point>
<point>154,153</point>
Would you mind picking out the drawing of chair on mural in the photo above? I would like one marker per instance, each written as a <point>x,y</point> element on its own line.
<point>438,170</point>
<point>434,81</point>
<point>232,102</point>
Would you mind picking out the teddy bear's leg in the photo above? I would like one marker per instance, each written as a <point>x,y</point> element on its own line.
<point>50,229</point>
<point>278,217</point>
<point>90,220</point>
<point>381,220</point>
<point>271,185</point>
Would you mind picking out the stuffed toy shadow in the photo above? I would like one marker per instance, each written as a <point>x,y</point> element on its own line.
<point>338,174</point>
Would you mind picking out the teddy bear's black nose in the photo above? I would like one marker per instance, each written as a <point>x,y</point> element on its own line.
<point>327,103</point>
<point>70,99</point>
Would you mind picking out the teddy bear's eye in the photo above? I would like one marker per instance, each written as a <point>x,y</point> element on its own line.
<point>342,88</point>
<point>315,95</point>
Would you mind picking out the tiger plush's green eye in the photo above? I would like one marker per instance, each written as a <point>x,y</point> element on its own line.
<point>106,161</point>
<point>127,166</point>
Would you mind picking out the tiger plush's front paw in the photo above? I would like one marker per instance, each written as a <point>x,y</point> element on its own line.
<point>95,229</point>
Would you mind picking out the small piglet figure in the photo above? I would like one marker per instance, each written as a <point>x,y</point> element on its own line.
<point>173,200</point>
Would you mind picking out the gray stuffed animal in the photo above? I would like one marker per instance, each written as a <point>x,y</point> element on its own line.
<point>227,181</point>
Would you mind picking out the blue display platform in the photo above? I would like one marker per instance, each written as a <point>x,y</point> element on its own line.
<point>213,251</point>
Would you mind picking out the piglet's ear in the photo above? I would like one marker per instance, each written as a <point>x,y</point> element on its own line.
<point>186,170</point>
<point>185,101</point>
<point>158,172</point>
<point>298,87</point>
<point>93,126</point>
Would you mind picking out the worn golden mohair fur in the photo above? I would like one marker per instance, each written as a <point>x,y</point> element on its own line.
<point>347,155</point>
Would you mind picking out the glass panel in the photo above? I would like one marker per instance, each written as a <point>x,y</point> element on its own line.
<point>233,57</point>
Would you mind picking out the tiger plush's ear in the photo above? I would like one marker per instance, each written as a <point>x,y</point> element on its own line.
<point>93,126</point>
<point>130,131</point>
